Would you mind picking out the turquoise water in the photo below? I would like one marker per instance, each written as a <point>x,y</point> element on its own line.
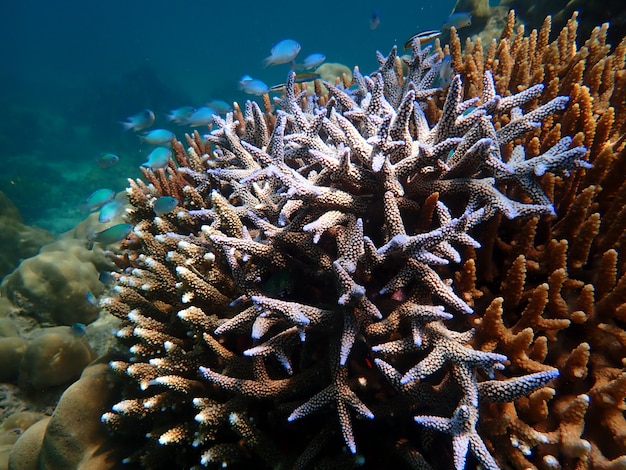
<point>71,70</point>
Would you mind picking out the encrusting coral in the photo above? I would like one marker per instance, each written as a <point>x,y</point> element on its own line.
<point>360,279</point>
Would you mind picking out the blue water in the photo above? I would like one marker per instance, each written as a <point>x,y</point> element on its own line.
<point>72,69</point>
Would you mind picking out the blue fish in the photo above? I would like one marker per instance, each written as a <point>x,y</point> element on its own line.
<point>283,52</point>
<point>91,299</point>
<point>109,211</point>
<point>107,160</point>
<point>220,106</point>
<point>106,278</point>
<point>180,115</point>
<point>469,110</point>
<point>78,330</point>
<point>139,121</point>
<point>374,19</point>
<point>158,158</point>
<point>97,199</point>
<point>112,234</point>
<point>444,77</point>
<point>158,137</point>
<point>312,61</point>
<point>164,204</point>
<point>459,20</point>
<point>252,86</point>
<point>201,117</point>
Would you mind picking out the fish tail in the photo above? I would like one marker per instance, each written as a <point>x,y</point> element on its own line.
<point>127,125</point>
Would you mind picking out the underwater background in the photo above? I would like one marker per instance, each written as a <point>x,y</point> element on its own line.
<point>72,70</point>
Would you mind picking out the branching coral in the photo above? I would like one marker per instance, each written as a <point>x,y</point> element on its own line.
<point>300,299</point>
<point>552,288</point>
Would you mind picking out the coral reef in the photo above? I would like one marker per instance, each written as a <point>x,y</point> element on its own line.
<point>384,275</point>
<point>40,358</point>
<point>532,14</point>
<point>73,436</point>
<point>351,278</point>
<point>53,286</point>
<point>552,288</point>
<point>18,241</point>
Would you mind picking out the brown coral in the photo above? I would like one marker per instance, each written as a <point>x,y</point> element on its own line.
<point>571,261</point>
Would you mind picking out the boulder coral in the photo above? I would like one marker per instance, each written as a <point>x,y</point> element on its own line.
<point>18,241</point>
<point>73,437</point>
<point>54,356</point>
<point>53,285</point>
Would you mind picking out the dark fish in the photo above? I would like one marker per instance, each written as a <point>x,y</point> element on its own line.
<point>106,278</point>
<point>107,160</point>
<point>278,284</point>
<point>299,78</point>
<point>374,19</point>
<point>110,235</point>
<point>424,37</point>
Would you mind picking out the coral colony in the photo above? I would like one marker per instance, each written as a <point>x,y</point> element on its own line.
<point>297,308</point>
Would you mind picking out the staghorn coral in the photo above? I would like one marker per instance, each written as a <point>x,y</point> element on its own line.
<point>300,299</point>
<point>552,288</point>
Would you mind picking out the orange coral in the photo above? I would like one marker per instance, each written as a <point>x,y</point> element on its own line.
<point>554,288</point>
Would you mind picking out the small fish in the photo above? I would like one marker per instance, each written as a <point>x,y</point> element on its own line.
<point>158,137</point>
<point>91,299</point>
<point>283,52</point>
<point>164,204</point>
<point>299,78</point>
<point>201,117</point>
<point>444,77</point>
<point>459,20</point>
<point>278,284</point>
<point>374,19</point>
<point>97,199</point>
<point>112,234</point>
<point>312,61</point>
<point>469,110</point>
<point>424,37</point>
<point>109,211</point>
<point>252,86</point>
<point>107,160</point>
<point>220,106</point>
<point>78,330</point>
<point>139,121</point>
<point>106,278</point>
<point>180,115</point>
<point>158,158</point>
